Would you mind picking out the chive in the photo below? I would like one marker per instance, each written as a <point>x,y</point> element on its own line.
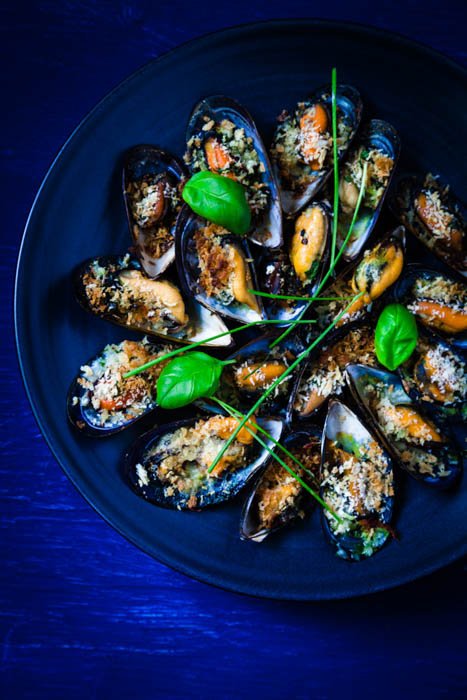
<point>335,163</point>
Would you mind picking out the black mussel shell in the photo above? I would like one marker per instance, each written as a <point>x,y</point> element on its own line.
<point>410,203</point>
<point>436,463</point>
<point>438,300</point>
<point>380,140</point>
<point>191,322</point>
<point>264,201</point>
<point>236,303</point>
<point>350,343</point>
<point>365,516</point>
<point>300,186</point>
<point>152,183</point>
<point>295,505</point>
<point>140,397</point>
<point>207,490</point>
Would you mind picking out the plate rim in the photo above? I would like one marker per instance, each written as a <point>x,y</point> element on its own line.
<point>235,32</point>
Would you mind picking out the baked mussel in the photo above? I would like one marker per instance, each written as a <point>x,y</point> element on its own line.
<point>222,137</point>
<point>101,402</point>
<point>357,484</point>
<point>438,300</point>
<point>297,268</point>
<point>377,147</point>
<point>216,268</point>
<point>277,498</point>
<point>371,276</point>
<point>436,372</point>
<point>152,184</point>
<point>301,150</point>
<point>169,465</point>
<point>323,373</point>
<point>420,444</point>
<point>116,289</point>
<point>433,214</point>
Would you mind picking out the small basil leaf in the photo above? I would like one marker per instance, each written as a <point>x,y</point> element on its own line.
<point>187,378</point>
<point>396,336</point>
<point>220,200</point>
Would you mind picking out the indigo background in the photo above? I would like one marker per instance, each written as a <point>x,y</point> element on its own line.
<point>84,614</point>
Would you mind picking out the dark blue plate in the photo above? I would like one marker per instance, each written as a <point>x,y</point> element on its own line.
<point>79,213</point>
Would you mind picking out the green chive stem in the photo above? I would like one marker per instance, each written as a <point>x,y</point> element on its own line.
<point>335,163</point>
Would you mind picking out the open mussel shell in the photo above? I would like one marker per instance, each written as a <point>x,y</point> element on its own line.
<point>372,275</point>
<point>301,151</point>
<point>322,375</point>
<point>433,215</point>
<point>277,499</point>
<point>169,465</point>
<point>152,182</point>
<point>438,300</point>
<point>115,289</point>
<point>357,483</point>
<point>297,268</point>
<point>254,368</point>
<point>436,372</point>
<point>216,268</point>
<point>100,402</point>
<point>222,137</point>
<point>378,145</point>
<point>419,444</point>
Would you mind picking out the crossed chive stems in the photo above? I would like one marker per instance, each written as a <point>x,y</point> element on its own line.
<point>243,419</point>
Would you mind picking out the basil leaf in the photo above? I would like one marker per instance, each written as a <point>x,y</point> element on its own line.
<point>187,378</point>
<point>220,200</point>
<point>396,336</point>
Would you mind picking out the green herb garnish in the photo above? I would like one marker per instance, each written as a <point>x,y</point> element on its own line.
<point>396,336</point>
<point>220,200</point>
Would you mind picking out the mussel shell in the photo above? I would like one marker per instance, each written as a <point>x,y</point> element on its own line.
<point>84,416</point>
<point>380,135</point>
<point>218,490</point>
<point>202,323</point>
<point>250,526</point>
<point>277,275</point>
<point>414,377</point>
<point>402,204</point>
<point>341,422</point>
<point>277,403</point>
<point>359,377</point>
<point>332,340</point>
<point>403,293</point>
<point>267,225</point>
<point>149,161</point>
<point>350,105</point>
<point>189,271</point>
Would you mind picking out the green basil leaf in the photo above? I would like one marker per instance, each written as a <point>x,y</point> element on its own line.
<point>220,200</point>
<point>396,336</point>
<point>187,378</point>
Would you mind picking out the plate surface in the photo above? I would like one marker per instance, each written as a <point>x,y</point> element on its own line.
<point>79,213</point>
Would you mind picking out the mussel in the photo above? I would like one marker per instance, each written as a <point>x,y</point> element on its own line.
<point>357,484</point>
<point>152,183</point>
<point>323,374</point>
<point>277,498</point>
<point>436,372</point>
<point>378,148</point>
<point>298,267</point>
<point>301,151</point>
<point>432,213</point>
<point>419,444</point>
<point>215,267</point>
<point>116,289</point>
<point>438,300</point>
<point>377,270</point>
<point>222,137</point>
<point>100,402</point>
<point>169,465</point>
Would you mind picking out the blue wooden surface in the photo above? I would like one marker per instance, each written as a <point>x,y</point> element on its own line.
<point>83,613</point>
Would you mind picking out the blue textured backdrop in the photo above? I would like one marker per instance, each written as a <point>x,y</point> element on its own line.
<point>83,613</point>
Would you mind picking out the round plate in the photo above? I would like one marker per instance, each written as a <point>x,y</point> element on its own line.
<point>79,213</point>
